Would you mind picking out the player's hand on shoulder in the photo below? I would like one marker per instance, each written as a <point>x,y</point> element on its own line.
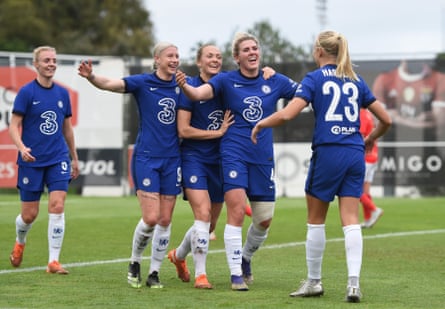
<point>268,72</point>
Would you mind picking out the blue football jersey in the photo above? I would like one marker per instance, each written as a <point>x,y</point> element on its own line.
<point>157,104</point>
<point>206,115</point>
<point>44,110</point>
<point>250,100</point>
<point>336,104</point>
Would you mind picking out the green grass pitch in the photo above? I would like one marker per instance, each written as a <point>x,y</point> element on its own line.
<point>403,262</point>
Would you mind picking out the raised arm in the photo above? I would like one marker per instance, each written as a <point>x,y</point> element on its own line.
<point>86,70</point>
<point>201,93</point>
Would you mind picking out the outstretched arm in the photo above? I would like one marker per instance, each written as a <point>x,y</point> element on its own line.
<point>295,106</point>
<point>201,93</point>
<point>86,70</point>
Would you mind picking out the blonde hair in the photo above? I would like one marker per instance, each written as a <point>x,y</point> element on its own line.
<point>239,38</point>
<point>159,48</point>
<point>335,44</point>
<point>38,50</point>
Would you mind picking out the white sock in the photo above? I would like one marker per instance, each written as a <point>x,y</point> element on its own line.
<point>200,246</point>
<point>233,244</point>
<point>161,238</point>
<point>56,231</point>
<point>354,249</point>
<point>254,240</point>
<point>21,229</point>
<point>141,237</point>
<point>315,245</point>
<point>184,248</point>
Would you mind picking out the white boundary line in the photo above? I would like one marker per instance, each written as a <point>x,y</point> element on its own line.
<point>278,246</point>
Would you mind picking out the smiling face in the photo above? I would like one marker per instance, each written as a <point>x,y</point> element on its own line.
<point>248,57</point>
<point>45,63</point>
<point>209,62</point>
<point>167,62</point>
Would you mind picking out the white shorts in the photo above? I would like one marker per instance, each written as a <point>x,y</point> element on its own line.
<point>370,171</point>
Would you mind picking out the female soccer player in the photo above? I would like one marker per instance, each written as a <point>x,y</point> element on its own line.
<point>155,165</point>
<point>336,94</point>
<point>42,131</point>
<point>248,169</point>
<point>201,125</point>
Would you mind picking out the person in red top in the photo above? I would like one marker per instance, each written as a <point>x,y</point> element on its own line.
<point>371,212</point>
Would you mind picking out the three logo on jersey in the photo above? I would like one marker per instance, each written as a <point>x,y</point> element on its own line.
<point>254,112</point>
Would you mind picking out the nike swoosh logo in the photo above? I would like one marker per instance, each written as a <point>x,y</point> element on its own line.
<point>35,102</point>
<point>237,85</point>
<point>153,88</point>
